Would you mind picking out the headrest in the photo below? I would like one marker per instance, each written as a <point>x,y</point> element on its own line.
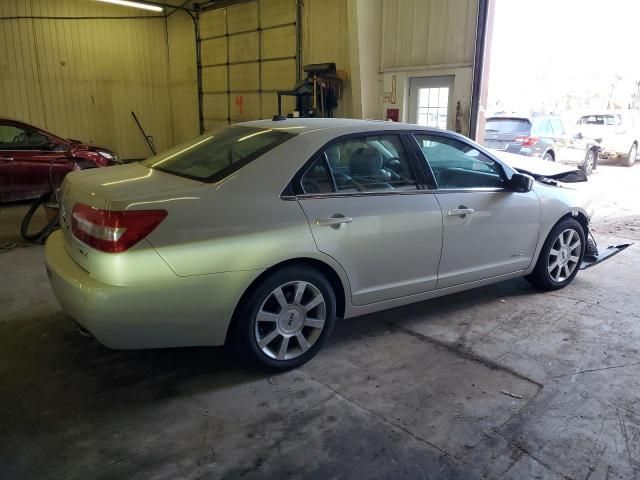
<point>365,161</point>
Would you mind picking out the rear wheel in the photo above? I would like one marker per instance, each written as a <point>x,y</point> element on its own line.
<point>589,162</point>
<point>631,156</point>
<point>548,156</point>
<point>287,318</point>
<point>560,257</point>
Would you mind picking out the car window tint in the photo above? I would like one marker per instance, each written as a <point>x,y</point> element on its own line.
<point>557,127</point>
<point>317,178</point>
<point>456,164</point>
<point>508,125</point>
<point>370,163</point>
<point>214,156</point>
<point>37,141</point>
<point>12,138</point>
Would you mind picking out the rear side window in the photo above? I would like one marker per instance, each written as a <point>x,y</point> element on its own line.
<point>520,126</point>
<point>556,125</point>
<point>214,156</point>
<point>542,127</point>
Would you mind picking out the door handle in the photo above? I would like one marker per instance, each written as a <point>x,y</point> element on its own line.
<point>333,221</point>
<point>6,159</point>
<point>461,211</point>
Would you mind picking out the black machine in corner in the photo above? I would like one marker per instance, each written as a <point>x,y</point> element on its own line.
<point>318,94</point>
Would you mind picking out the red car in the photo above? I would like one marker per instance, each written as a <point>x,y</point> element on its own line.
<point>32,160</point>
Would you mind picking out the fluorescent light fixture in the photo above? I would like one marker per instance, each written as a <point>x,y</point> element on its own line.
<point>127,3</point>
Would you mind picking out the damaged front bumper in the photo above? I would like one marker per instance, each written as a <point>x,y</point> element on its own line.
<point>593,256</point>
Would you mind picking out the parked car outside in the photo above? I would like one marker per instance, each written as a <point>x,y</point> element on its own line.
<point>32,159</point>
<point>546,136</point>
<point>617,133</point>
<point>264,233</point>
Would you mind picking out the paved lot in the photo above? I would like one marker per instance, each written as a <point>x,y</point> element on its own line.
<point>498,382</point>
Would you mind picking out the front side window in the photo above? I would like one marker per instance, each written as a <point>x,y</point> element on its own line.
<point>363,164</point>
<point>214,156</point>
<point>456,164</point>
<point>12,138</point>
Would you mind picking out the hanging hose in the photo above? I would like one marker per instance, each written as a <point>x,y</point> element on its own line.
<point>47,201</point>
<point>50,202</point>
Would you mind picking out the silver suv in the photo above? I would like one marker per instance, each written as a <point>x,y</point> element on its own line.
<point>617,133</point>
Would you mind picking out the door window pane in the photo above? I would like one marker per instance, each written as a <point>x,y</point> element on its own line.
<point>433,104</point>
<point>362,164</point>
<point>12,138</point>
<point>456,164</point>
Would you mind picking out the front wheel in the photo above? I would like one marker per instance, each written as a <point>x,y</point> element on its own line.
<point>631,157</point>
<point>286,320</point>
<point>589,162</point>
<point>560,257</point>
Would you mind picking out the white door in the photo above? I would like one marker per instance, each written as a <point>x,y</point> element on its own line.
<point>366,211</point>
<point>430,101</point>
<point>488,230</point>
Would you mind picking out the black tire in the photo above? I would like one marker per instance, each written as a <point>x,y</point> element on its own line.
<point>42,234</point>
<point>589,164</point>
<point>548,157</point>
<point>630,159</point>
<point>541,277</point>
<point>246,331</point>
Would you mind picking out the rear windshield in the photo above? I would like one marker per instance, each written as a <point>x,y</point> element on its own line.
<point>600,120</point>
<point>508,125</point>
<point>213,156</point>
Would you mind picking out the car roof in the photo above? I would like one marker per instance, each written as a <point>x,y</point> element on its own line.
<point>530,118</point>
<point>345,125</point>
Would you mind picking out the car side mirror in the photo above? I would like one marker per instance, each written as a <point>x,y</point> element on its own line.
<point>520,182</point>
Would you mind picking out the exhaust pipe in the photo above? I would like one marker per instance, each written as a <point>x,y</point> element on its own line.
<point>83,331</point>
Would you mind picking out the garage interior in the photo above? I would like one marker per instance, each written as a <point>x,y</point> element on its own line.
<point>499,382</point>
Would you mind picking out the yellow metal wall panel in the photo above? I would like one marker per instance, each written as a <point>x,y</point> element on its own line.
<point>214,51</point>
<point>244,47</point>
<point>278,74</point>
<point>270,105</point>
<point>214,79</point>
<point>242,17</point>
<point>277,12</point>
<point>183,77</point>
<point>245,76</point>
<point>279,42</point>
<point>245,106</point>
<point>213,23</point>
<point>215,106</point>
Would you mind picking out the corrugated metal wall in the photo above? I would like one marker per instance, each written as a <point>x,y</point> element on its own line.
<point>428,32</point>
<point>81,78</point>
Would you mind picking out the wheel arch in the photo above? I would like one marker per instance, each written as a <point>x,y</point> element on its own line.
<point>339,288</point>
<point>550,152</point>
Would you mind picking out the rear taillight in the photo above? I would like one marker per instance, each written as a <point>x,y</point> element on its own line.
<point>527,141</point>
<point>110,231</point>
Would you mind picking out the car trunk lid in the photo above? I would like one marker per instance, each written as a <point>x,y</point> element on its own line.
<point>131,187</point>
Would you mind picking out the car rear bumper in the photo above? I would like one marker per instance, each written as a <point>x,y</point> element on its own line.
<point>184,311</point>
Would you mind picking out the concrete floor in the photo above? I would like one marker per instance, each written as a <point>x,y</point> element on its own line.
<point>500,382</point>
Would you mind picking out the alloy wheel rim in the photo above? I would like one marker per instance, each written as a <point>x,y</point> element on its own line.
<point>564,255</point>
<point>589,165</point>
<point>290,320</point>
